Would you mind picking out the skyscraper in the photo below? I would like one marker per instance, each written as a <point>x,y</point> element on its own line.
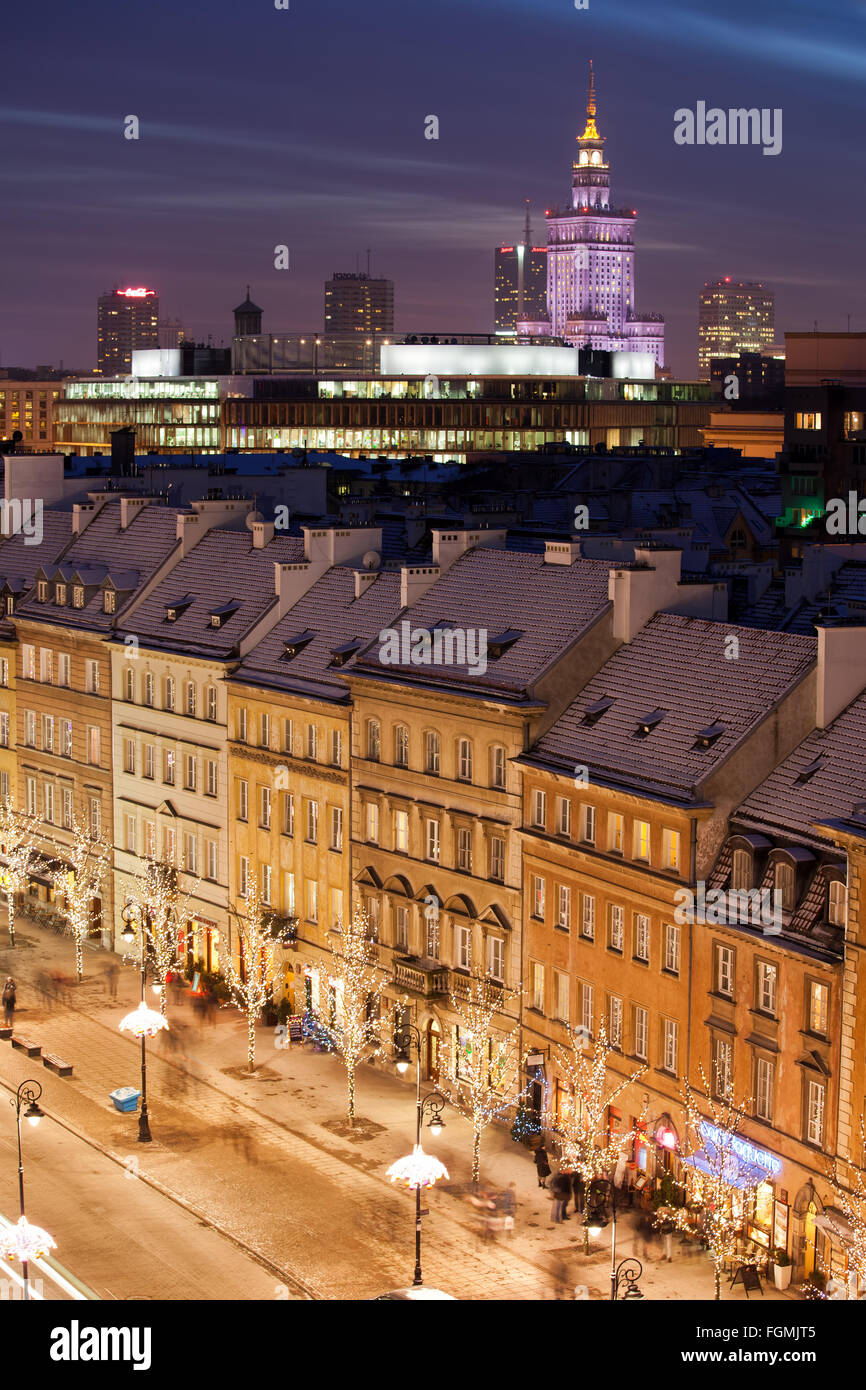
<point>520,282</point>
<point>125,320</point>
<point>733,317</point>
<point>358,304</point>
<point>590,260</point>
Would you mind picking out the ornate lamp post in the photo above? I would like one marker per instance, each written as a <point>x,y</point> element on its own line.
<point>418,1169</point>
<point>627,1272</point>
<point>25,1242</point>
<point>143,1022</point>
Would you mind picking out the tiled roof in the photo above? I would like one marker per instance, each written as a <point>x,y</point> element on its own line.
<point>20,559</point>
<point>790,803</point>
<point>676,665</point>
<point>224,568</point>
<point>494,590</point>
<point>332,613</point>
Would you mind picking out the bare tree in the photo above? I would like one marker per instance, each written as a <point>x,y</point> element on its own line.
<point>19,833</point>
<point>251,979</point>
<point>849,1191</point>
<point>80,879</point>
<point>162,904</point>
<point>353,1019</point>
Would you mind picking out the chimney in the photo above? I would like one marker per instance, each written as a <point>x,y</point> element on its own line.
<point>82,515</point>
<point>561,552</point>
<point>363,580</point>
<point>449,546</point>
<point>841,669</point>
<point>639,593</point>
<point>415,580</point>
<point>339,545</point>
<point>263,533</point>
<point>129,509</point>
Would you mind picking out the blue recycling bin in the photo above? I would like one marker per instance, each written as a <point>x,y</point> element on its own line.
<point>126,1099</point>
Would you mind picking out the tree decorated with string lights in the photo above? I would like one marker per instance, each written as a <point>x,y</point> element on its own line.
<point>161,903</point>
<point>19,833</point>
<point>80,878</point>
<point>353,1020</point>
<point>251,978</point>
<point>714,1139</point>
<point>849,1193</point>
<point>587,1145</point>
<point>481,1076</point>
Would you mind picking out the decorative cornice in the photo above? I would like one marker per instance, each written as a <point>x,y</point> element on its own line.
<point>297,765</point>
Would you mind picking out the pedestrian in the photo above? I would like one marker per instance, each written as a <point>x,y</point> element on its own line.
<point>9,1000</point>
<point>542,1165</point>
<point>111,974</point>
<point>509,1199</point>
<point>560,1186</point>
<point>578,1188</point>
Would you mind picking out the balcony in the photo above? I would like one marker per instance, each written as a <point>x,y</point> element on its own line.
<point>424,978</point>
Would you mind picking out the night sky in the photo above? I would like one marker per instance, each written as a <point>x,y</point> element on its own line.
<point>306,127</point>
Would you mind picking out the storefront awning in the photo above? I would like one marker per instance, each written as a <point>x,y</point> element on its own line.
<point>835,1224</point>
<point>736,1172</point>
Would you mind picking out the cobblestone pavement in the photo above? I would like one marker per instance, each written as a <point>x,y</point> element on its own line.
<point>267,1159</point>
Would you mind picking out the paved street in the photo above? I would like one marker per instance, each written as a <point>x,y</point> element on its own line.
<point>267,1160</point>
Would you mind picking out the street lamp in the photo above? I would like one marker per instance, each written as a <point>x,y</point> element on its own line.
<point>418,1169</point>
<point>628,1271</point>
<point>25,1242</point>
<point>143,1022</point>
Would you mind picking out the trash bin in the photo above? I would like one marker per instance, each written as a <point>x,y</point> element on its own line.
<point>126,1098</point>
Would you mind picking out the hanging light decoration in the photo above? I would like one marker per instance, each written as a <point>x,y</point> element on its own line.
<point>143,1022</point>
<point>25,1242</point>
<point>417,1169</point>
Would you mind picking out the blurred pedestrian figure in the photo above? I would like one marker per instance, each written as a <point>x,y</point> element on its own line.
<point>178,996</point>
<point>542,1165</point>
<point>560,1186</point>
<point>199,1005</point>
<point>210,1007</point>
<point>578,1188</point>
<point>111,974</point>
<point>9,1001</point>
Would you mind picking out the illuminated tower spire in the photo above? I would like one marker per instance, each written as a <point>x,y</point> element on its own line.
<point>590,131</point>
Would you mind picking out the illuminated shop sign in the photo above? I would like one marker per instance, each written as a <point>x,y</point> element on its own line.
<point>724,1141</point>
<point>139,293</point>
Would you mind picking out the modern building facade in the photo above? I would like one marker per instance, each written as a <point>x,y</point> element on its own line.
<point>356,303</point>
<point>520,282</point>
<point>733,317</point>
<point>125,320</point>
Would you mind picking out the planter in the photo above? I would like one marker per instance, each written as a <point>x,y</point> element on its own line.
<point>782,1275</point>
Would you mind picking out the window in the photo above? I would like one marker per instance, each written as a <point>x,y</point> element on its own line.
<point>265,884</point>
<point>93,745</point>
<point>670,1034</point>
<point>169,693</point>
<point>741,871</point>
<point>336,827</point>
<point>464,849</point>
<point>4,729</point>
<point>48,802</point>
<point>211,853</point>
<point>768,975</point>
<point>31,796</point>
<point>495,947</point>
<point>168,767</point>
<point>46,664</point>
<point>539,808</point>
<point>148,688</point>
<point>537,977</point>
<point>288,736</point>
<point>815,1097</point>
<point>836,902</point>
<point>243,799</point>
<point>372,822</point>
<point>92,677</point>
<point>497,858</point>
<point>672,949</point>
<point>560,995</point>
<point>374,740</point>
<point>211,703</point>
<point>725,971</point>
<point>130,834</point>
<point>28,661</point>
<point>312,828</point>
<point>587,1006</point>
<point>4,670</point>
<point>336,748</point>
<point>48,733</point>
<point>464,760</point>
<point>616,927</point>
<point>312,742</point>
<point>587,917</point>
<point>264,731</point>
<point>431,758</point>
<point>190,853</point>
<point>42,590</point>
<point>60,594</point>
<point>77,596</point>
<point>30,728</point>
<point>337,907</point>
<point>169,844</point>
<point>191,772</point>
<point>148,760</point>
<point>149,839</point>
<point>129,684</point>
<point>463,944</point>
<point>671,850</point>
<point>401,832</point>
<point>265,808</point>
<point>66,807</point>
<point>432,840</point>
<point>764,1086</point>
<point>563,816</point>
<point>243,876</point>
<point>401,928</point>
<point>401,746</point>
<point>190,699</point>
<point>210,782</point>
<point>642,840</point>
<point>288,814</point>
<point>538,896</point>
<point>614,1021</point>
<point>563,906</point>
<point>641,937</point>
<point>95,818</point>
<point>241,725</point>
<point>819,1001</point>
<point>723,1068</point>
<point>587,826</point>
<point>785,884</point>
<point>497,767</point>
<point>312,900</point>
<point>129,755</point>
<point>432,933</point>
<point>807,420</point>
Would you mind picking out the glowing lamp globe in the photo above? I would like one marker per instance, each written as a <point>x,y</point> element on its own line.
<point>417,1169</point>
<point>26,1242</point>
<point>143,1022</point>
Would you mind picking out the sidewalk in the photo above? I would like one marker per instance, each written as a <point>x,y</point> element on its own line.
<point>268,1158</point>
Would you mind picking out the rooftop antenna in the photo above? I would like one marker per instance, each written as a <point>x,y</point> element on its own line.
<point>368,262</point>
<point>527,230</point>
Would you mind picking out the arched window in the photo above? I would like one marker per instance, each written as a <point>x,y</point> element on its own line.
<point>837,901</point>
<point>148,688</point>
<point>169,692</point>
<point>785,881</point>
<point>190,698</point>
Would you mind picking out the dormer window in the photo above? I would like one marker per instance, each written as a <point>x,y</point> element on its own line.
<point>707,737</point>
<point>42,590</point>
<point>741,871</point>
<point>648,722</point>
<point>109,601</point>
<point>810,769</point>
<point>341,655</point>
<point>503,641</point>
<point>174,610</point>
<point>78,596</point>
<point>837,901</point>
<point>220,616</point>
<point>60,594</point>
<point>785,883</point>
<point>594,712</point>
<point>293,645</point>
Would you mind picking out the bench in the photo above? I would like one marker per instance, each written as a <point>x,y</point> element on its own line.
<point>5,1032</point>
<point>31,1048</point>
<point>56,1064</point>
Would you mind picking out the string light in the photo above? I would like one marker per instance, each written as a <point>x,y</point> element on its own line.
<point>80,880</point>
<point>483,1062</point>
<point>356,984</point>
<point>259,944</point>
<point>159,904</point>
<point>850,1198</point>
<point>417,1169</point>
<point>25,1242</point>
<point>18,836</point>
